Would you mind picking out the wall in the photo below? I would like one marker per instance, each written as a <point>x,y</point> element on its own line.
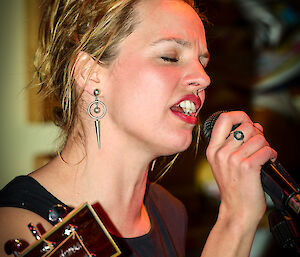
<point>20,140</point>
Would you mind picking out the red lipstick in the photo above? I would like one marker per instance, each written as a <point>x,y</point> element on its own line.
<point>193,98</point>
<point>178,111</point>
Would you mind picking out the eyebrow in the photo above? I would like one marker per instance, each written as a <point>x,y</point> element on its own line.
<point>173,39</point>
<point>180,42</point>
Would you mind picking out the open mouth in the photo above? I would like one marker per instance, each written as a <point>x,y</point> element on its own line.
<point>186,107</point>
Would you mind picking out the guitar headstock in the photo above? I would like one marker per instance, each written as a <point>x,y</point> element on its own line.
<point>80,233</point>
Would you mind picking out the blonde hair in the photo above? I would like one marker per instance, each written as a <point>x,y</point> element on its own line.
<point>69,27</point>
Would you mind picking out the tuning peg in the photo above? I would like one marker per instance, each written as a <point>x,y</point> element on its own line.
<point>34,232</point>
<point>57,213</point>
<point>15,246</point>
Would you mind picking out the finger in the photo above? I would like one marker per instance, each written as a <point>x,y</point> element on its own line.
<point>238,150</point>
<point>250,142</point>
<point>241,135</point>
<point>253,145</point>
<point>258,126</point>
<point>260,157</point>
<point>224,125</point>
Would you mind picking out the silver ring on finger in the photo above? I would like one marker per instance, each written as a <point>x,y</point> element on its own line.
<point>238,135</point>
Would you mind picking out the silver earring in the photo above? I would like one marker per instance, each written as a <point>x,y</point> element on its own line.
<point>96,114</point>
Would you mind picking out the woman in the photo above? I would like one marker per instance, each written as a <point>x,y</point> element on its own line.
<point>145,62</point>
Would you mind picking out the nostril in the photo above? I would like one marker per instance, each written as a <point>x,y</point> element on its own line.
<point>193,84</point>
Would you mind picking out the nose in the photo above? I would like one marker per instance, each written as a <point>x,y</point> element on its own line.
<point>196,77</point>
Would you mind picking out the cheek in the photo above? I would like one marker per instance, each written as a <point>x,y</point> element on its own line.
<point>146,81</point>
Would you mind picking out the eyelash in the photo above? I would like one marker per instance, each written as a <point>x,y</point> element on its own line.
<point>168,59</point>
<point>174,60</point>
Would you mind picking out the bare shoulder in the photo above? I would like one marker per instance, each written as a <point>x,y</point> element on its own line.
<point>13,223</point>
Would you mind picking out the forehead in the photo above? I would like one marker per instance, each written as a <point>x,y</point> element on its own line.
<point>170,18</point>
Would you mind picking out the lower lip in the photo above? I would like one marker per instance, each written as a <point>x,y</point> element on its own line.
<point>185,118</point>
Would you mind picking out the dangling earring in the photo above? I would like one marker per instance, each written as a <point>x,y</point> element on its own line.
<point>97,110</point>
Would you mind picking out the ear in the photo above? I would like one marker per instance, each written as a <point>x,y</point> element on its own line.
<point>87,73</point>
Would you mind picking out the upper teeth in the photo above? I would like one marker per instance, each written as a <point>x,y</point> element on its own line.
<point>187,106</point>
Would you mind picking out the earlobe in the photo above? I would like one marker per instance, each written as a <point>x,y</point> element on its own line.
<point>86,72</point>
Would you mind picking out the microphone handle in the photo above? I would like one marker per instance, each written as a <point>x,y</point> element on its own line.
<point>281,187</point>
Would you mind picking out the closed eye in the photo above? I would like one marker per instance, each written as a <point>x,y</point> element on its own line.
<point>169,59</point>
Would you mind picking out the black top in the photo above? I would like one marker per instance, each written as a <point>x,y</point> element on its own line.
<point>167,215</point>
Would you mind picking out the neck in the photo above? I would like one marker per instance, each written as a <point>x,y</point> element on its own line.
<point>112,176</point>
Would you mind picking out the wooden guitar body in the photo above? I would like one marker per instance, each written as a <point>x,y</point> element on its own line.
<point>80,233</point>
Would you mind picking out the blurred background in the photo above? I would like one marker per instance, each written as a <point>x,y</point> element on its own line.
<point>255,67</point>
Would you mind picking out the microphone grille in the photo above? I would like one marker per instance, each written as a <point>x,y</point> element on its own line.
<point>209,124</point>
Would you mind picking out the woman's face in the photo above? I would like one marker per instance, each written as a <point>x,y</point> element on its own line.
<point>151,87</point>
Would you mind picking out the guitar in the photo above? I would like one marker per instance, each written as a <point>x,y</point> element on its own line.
<point>80,233</point>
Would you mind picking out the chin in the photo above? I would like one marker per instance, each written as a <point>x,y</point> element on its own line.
<point>175,146</point>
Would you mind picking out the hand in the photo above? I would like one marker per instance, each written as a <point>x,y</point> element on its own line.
<point>236,167</point>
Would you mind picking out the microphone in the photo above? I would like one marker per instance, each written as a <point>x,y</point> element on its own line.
<point>276,181</point>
